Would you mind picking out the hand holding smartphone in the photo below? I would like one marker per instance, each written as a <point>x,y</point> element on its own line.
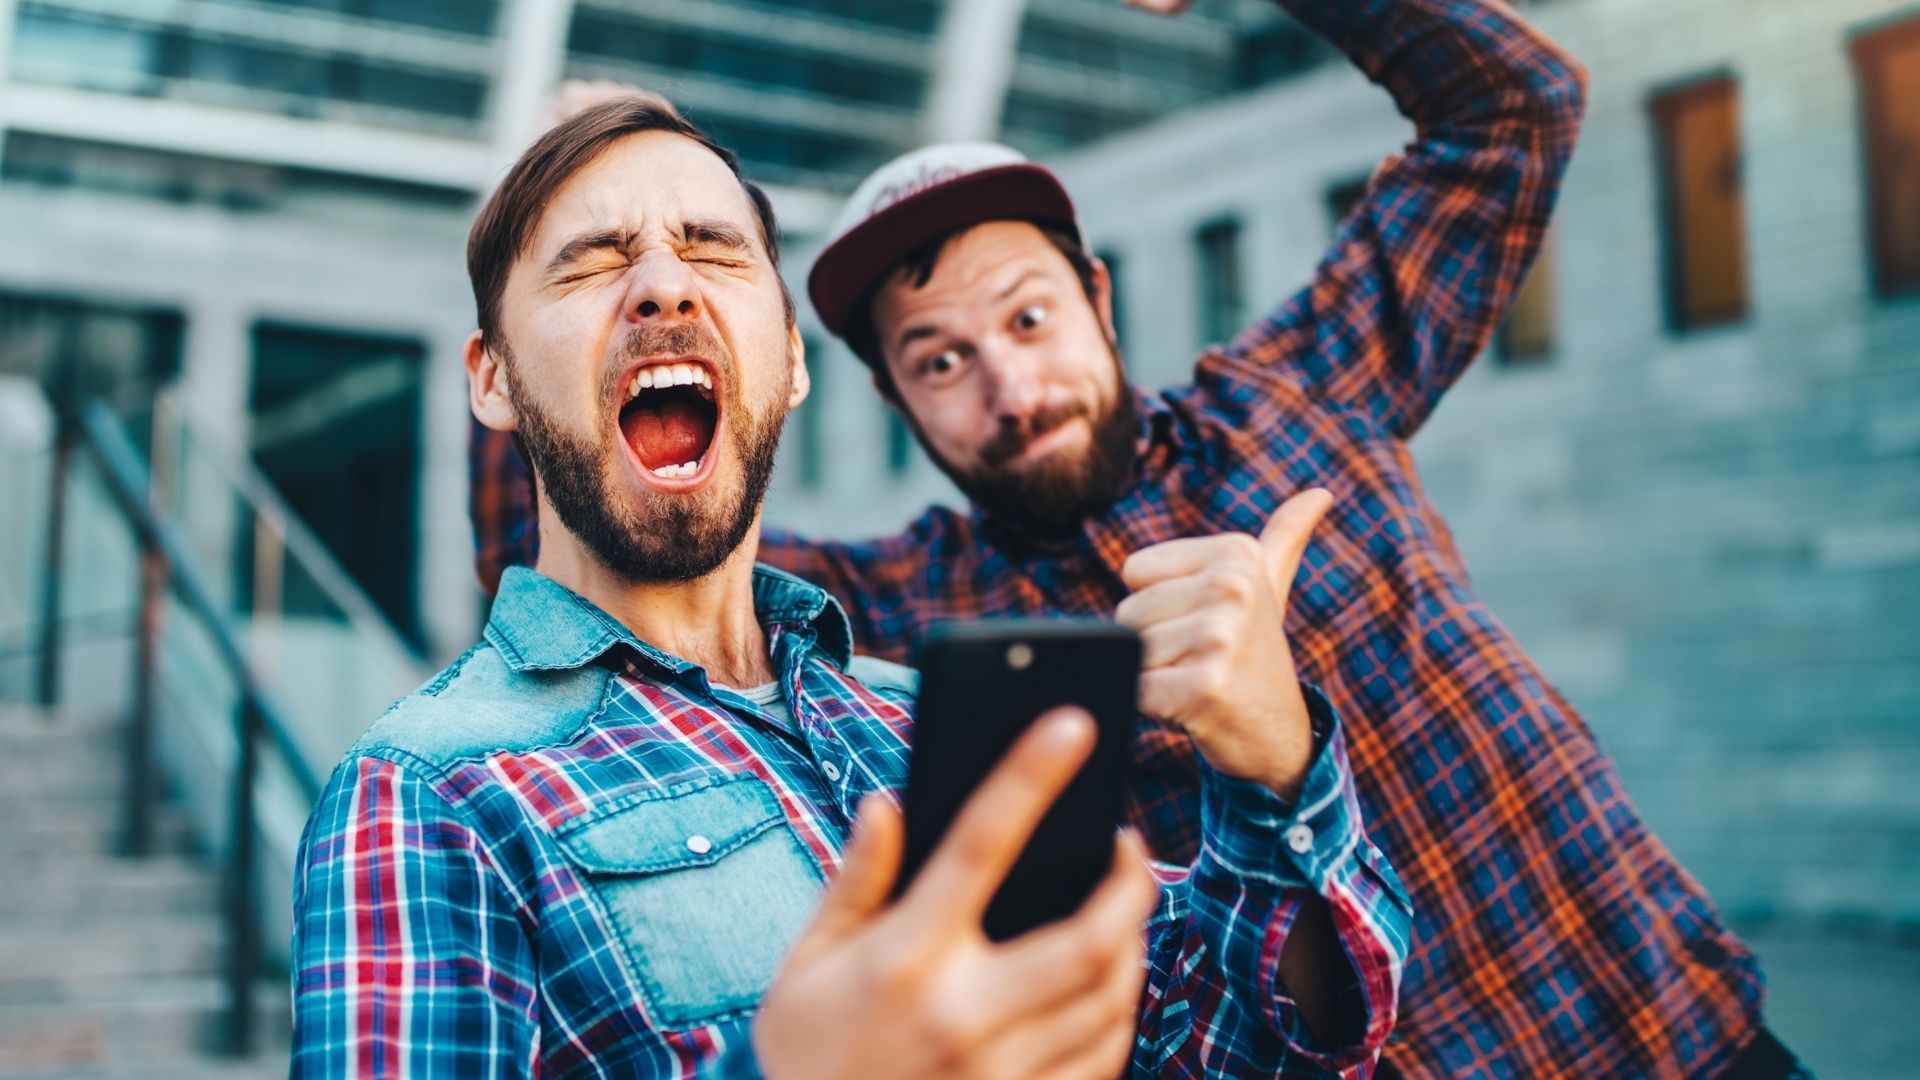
<point>981,685</point>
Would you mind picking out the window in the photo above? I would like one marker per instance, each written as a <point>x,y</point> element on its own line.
<point>1527,335</point>
<point>1705,203</point>
<point>93,349</point>
<point>1222,297</point>
<point>1888,63</point>
<point>64,49</point>
<point>1115,267</point>
<point>336,428</point>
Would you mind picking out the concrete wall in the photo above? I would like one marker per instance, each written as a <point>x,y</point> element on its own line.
<point>1710,541</point>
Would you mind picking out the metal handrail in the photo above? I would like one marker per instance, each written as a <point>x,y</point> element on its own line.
<point>166,571</point>
<point>291,532</point>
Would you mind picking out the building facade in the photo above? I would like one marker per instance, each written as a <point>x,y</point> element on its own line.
<point>1686,476</point>
<point>270,197</point>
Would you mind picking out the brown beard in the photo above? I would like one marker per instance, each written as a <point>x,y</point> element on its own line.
<point>1053,496</point>
<point>666,538</point>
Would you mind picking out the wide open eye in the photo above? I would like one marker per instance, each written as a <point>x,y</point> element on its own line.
<point>1032,317</point>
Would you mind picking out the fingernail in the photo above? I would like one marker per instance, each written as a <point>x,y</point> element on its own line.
<point>1068,725</point>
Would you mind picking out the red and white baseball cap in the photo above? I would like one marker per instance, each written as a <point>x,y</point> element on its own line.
<point>920,196</point>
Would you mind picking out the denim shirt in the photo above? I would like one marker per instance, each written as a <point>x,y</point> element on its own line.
<point>572,854</point>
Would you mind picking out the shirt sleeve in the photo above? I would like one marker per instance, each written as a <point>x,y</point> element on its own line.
<point>409,955</point>
<point>892,587</point>
<point>1423,270</point>
<point>500,502</point>
<point>1214,1003</point>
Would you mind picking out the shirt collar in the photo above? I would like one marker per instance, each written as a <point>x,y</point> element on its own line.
<point>538,624</point>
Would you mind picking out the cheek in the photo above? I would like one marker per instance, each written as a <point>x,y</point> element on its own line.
<point>956,423</point>
<point>560,355</point>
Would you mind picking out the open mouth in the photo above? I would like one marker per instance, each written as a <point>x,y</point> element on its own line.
<point>669,418</point>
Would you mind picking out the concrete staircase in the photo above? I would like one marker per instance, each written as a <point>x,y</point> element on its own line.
<point>109,966</point>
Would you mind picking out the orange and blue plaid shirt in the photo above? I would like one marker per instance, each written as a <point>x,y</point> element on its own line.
<point>1554,934</point>
<point>572,854</point>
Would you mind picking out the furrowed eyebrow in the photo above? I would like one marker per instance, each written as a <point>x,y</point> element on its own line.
<point>599,240</point>
<point>715,233</point>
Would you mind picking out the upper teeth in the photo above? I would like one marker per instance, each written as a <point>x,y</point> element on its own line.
<point>663,375</point>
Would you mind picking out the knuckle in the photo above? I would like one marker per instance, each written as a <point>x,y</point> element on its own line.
<point>972,848</point>
<point>1233,584</point>
<point>949,1030</point>
<point>1092,954</point>
<point>1244,547</point>
<point>895,976</point>
<point>1218,635</point>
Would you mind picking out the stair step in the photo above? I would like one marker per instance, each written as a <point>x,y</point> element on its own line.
<point>35,768</point>
<point>54,957</point>
<point>53,839</point>
<point>91,888</point>
<point>19,721</point>
<point>263,1066</point>
<point>110,967</point>
<point>153,1022</point>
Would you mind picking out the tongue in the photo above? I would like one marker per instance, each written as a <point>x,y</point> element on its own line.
<point>671,433</point>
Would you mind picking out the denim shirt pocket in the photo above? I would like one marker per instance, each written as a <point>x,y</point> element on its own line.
<point>705,889</point>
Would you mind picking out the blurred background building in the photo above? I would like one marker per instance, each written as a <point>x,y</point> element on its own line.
<point>1686,474</point>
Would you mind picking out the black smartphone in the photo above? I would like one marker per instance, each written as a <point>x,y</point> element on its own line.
<point>981,685</point>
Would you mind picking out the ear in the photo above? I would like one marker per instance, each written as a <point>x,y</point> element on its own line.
<point>487,386</point>
<point>802,381</point>
<point>1103,297</point>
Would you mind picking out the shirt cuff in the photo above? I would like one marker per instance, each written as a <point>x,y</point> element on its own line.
<point>1245,822</point>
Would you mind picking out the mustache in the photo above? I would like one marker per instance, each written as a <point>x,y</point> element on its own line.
<point>672,339</point>
<point>1015,436</point>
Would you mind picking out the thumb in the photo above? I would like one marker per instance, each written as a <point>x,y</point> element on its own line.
<point>1287,532</point>
<point>867,870</point>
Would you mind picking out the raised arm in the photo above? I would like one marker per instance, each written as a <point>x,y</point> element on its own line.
<point>1423,270</point>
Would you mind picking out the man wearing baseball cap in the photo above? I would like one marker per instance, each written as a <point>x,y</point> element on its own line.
<point>1554,934</point>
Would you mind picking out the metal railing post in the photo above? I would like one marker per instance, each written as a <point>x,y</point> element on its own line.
<point>47,683</point>
<point>137,813</point>
<point>243,930</point>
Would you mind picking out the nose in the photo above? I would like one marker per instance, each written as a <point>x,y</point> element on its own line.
<point>661,290</point>
<point>1015,382</point>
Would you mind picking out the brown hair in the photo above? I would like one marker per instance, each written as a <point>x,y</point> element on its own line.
<point>506,223</point>
<point>916,268</point>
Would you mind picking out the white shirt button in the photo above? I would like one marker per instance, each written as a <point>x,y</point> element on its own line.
<point>832,770</point>
<point>1300,839</point>
<point>698,844</point>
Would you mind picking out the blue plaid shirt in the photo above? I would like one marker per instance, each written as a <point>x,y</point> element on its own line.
<point>571,854</point>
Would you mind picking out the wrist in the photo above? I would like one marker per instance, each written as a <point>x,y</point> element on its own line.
<point>1275,751</point>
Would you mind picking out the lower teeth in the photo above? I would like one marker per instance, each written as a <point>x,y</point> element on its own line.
<point>677,472</point>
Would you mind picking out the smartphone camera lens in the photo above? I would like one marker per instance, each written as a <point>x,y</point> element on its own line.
<point>1019,656</point>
